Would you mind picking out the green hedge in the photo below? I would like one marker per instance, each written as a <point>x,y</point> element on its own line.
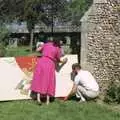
<point>113,93</point>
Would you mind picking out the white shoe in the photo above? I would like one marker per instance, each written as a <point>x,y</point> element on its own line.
<point>82,101</point>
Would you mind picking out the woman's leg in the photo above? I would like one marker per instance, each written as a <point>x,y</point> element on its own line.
<point>38,98</point>
<point>48,99</point>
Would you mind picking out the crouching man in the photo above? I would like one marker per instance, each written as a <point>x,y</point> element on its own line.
<point>85,86</point>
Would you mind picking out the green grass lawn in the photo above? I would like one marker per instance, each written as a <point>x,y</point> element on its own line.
<point>20,51</point>
<point>58,110</point>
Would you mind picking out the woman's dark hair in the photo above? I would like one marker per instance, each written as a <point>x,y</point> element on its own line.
<point>56,42</point>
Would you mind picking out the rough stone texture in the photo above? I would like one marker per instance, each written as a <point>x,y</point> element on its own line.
<point>100,45</point>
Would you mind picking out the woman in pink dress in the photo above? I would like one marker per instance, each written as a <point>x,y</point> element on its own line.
<point>44,80</point>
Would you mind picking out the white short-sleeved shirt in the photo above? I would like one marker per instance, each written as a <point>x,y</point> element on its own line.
<point>85,79</point>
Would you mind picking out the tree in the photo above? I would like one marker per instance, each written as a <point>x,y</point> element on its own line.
<point>53,11</point>
<point>31,11</point>
<point>11,10</point>
<point>76,10</point>
<point>31,16</point>
<point>42,10</point>
<point>21,10</point>
<point>47,11</point>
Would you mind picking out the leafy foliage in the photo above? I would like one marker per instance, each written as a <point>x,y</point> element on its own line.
<point>77,8</point>
<point>46,11</point>
<point>4,34</point>
<point>113,93</point>
<point>11,9</point>
<point>34,11</point>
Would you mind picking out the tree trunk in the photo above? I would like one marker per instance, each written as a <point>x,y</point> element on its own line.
<point>31,39</point>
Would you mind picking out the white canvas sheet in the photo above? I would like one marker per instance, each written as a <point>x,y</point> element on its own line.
<point>11,75</point>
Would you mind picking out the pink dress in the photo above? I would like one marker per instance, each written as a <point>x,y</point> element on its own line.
<point>44,79</point>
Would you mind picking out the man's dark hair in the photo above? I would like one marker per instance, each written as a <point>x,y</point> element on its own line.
<point>76,65</point>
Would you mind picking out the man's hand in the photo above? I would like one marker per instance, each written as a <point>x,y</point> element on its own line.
<point>73,91</point>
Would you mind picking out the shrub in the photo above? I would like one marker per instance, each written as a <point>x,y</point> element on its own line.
<point>2,50</point>
<point>4,34</point>
<point>113,93</point>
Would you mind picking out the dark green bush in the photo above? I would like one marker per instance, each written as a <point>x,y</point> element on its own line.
<point>2,50</point>
<point>4,35</point>
<point>113,93</point>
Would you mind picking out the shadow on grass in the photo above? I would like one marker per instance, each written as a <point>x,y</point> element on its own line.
<point>33,95</point>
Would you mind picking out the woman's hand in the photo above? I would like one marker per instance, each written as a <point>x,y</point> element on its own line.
<point>64,60</point>
<point>39,46</point>
<point>39,49</point>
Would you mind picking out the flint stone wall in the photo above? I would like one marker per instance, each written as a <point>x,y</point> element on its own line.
<point>100,41</point>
